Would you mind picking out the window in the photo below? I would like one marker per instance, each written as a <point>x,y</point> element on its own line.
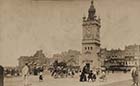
<point>91,48</point>
<point>85,48</point>
<point>88,48</point>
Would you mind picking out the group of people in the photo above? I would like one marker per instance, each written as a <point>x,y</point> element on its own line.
<point>26,73</point>
<point>87,74</point>
<point>38,71</point>
<point>11,72</point>
<point>90,75</point>
<point>60,69</point>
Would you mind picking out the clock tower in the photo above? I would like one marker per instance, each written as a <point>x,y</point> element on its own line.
<point>91,39</point>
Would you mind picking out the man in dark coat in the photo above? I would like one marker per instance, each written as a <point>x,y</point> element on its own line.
<point>1,76</point>
<point>55,67</point>
<point>90,75</point>
<point>83,77</point>
<point>85,71</point>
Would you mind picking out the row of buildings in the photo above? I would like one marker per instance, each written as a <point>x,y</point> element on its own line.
<point>111,59</point>
<point>38,59</point>
<point>70,57</point>
<point>123,59</point>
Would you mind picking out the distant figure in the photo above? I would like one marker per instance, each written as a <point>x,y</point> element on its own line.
<point>90,75</point>
<point>41,74</point>
<point>134,74</point>
<point>83,77</point>
<point>85,71</point>
<point>12,72</point>
<point>94,76</point>
<point>25,74</point>
<point>1,76</point>
<point>35,71</point>
<point>72,73</point>
<point>55,67</point>
<point>103,76</point>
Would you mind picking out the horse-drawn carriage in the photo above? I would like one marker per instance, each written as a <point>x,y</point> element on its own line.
<point>62,70</point>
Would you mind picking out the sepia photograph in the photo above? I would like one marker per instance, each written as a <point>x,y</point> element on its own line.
<point>69,42</point>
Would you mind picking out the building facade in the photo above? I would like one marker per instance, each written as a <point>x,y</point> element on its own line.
<point>132,55</point>
<point>91,39</point>
<point>121,59</point>
<point>132,50</point>
<point>71,57</point>
<point>38,59</point>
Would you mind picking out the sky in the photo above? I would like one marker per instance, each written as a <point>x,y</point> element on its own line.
<point>56,25</point>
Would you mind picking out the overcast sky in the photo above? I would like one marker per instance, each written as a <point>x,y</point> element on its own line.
<point>55,25</point>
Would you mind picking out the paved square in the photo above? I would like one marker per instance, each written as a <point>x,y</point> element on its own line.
<point>112,80</point>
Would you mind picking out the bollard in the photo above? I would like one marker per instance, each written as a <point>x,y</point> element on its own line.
<point>1,76</point>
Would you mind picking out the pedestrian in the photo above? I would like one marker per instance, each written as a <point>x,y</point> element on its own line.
<point>82,77</point>
<point>72,72</point>
<point>41,74</point>
<point>103,76</point>
<point>134,74</point>
<point>90,75</point>
<point>55,67</point>
<point>25,74</point>
<point>1,76</point>
<point>35,71</point>
<point>94,76</point>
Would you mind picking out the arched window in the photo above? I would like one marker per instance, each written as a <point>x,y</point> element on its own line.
<point>85,48</point>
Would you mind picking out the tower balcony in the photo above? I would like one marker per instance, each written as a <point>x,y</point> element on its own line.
<point>95,22</point>
<point>95,41</point>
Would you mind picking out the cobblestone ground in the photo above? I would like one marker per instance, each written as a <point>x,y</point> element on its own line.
<point>120,83</point>
<point>112,80</point>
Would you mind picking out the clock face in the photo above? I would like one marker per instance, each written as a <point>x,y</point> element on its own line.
<point>88,32</point>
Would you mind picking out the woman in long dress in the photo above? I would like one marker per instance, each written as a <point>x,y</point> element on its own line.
<point>25,74</point>
<point>135,76</point>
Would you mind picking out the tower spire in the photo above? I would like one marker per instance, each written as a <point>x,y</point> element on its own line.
<point>91,11</point>
<point>92,2</point>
